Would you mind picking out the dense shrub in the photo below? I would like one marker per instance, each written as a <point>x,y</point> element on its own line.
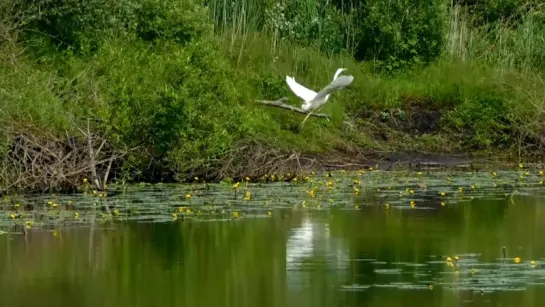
<point>171,99</point>
<point>147,71</point>
<point>510,11</point>
<point>400,33</point>
<point>310,23</point>
<point>82,25</point>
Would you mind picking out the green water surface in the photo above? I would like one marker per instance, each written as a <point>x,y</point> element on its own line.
<point>340,247</point>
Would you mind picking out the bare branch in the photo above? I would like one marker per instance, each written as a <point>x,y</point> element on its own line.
<point>112,158</point>
<point>96,180</point>
<point>40,161</point>
<point>280,103</point>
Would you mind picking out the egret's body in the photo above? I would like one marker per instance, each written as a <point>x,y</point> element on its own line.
<point>312,100</point>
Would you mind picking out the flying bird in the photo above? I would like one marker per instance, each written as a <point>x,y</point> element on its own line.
<point>312,100</point>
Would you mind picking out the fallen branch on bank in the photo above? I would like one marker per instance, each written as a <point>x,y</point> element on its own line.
<point>281,103</point>
<point>37,161</point>
<point>254,160</point>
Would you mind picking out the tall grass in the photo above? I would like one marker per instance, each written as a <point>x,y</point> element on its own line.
<point>505,44</point>
<point>510,42</point>
<point>309,22</point>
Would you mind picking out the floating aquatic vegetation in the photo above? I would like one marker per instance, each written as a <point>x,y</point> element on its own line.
<point>340,190</point>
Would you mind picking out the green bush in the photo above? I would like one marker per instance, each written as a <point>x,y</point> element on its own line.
<point>74,24</point>
<point>503,11</point>
<point>178,21</point>
<point>82,25</point>
<point>148,72</point>
<point>27,96</point>
<point>480,122</point>
<point>176,102</point>
<point>400,33</point>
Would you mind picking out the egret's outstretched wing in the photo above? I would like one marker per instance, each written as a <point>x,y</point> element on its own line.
<point>299,90</point>
<point>336,84</point>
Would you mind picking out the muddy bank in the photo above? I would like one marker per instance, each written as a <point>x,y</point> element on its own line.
<point>254,163</point>
<point>391,161</point>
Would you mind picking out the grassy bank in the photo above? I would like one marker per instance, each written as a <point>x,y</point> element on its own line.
<point>156,92</point>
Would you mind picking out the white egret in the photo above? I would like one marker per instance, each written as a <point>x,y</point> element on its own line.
<point>312,100</point>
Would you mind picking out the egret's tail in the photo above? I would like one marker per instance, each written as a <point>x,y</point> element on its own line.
<point>305,105</point>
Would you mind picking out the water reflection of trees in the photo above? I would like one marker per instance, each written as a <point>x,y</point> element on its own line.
<point>260,261</point>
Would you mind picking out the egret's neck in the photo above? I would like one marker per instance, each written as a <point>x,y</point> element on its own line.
<point>337,73</point>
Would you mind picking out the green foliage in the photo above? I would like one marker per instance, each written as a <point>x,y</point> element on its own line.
<point>396,33</point>
<point>26,94</point>
<point>178,21</point>
<point>82,25</point>
<point>509,41</point>
<point>73,23</point>
<point>480,121</point>
<point>175,98</point>
<point>500,11</point>
<point>307,23</point>
<point>155,76</point>
<point>400,33</point>
<point>239,15</point>
<point>170,100</point>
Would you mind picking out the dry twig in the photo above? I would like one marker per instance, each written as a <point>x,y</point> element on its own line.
<point>281,103</point>
<point>40,161</point>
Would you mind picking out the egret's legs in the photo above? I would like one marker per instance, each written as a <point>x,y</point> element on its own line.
<point>304,120</point>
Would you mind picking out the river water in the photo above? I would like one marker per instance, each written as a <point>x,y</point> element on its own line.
<point>358,248</point>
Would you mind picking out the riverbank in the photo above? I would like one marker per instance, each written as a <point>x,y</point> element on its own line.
<point>171,95</point>
<point>73,167</point>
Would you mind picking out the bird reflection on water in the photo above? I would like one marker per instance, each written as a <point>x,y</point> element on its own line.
<point>310,247</point>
